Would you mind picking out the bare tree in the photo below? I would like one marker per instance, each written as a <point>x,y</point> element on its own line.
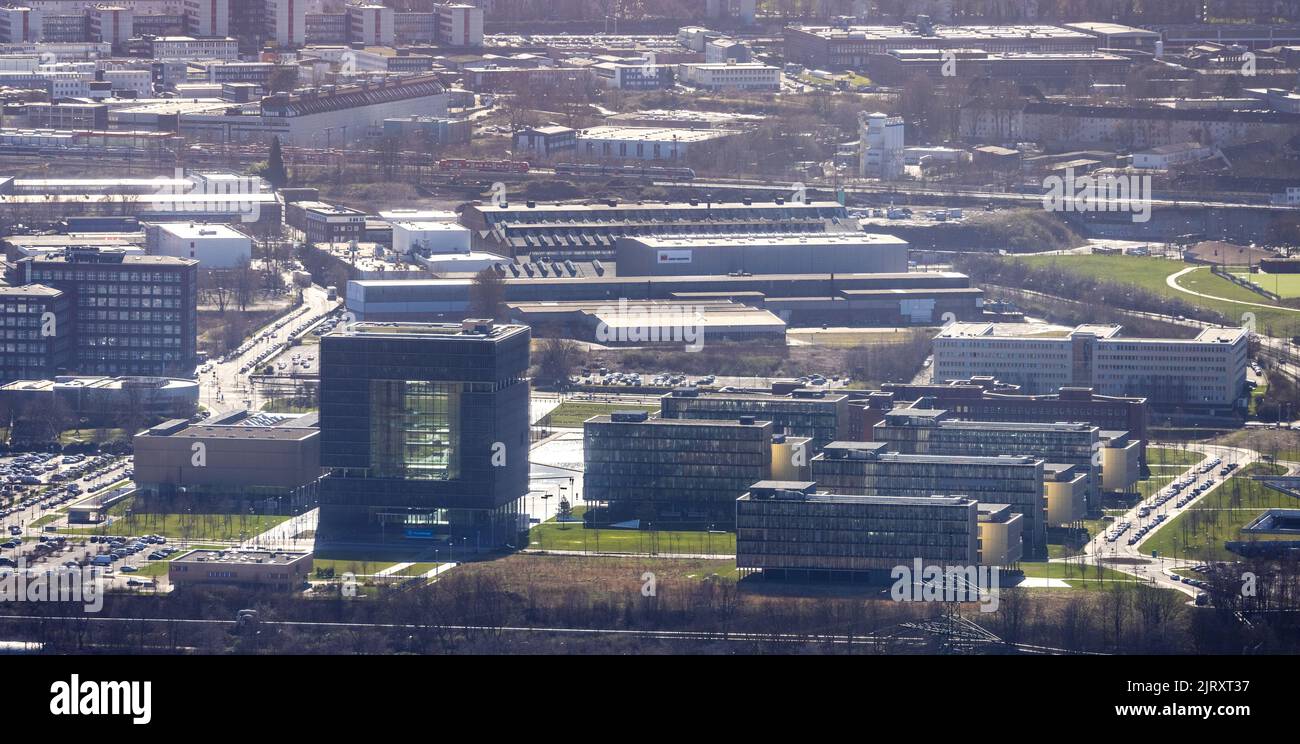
<point>487,295</point>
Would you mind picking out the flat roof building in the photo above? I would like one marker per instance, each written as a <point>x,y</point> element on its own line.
<point>935,432</point>
<point>789,529</point>
<point>820,415</point>
<point>243,459</point>
<point>827,47</point>
<point>424,430</point>
<point>821,253</point>
<point>869,469</point>
<point>255,570</point>
<point>36,332</point>
<point>1206,373</point>
<point>673,471</point>
<point>134,315</point>
<point>985,398</point>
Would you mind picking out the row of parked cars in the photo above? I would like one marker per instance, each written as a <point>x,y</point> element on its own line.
<point>121,547</point>
<point>272,351</point>
<point>1142,531</point>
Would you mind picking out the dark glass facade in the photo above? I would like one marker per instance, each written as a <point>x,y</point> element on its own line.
<point>781,532</point>
<point>674,471</point>
<point>424,430</point>
<point>824,418</point>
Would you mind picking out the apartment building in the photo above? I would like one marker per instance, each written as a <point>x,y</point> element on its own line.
<point>1206,374</point>
<point>673,471</point>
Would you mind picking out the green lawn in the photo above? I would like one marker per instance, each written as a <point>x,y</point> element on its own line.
<point>283,405</point>
<point>72,436</point>
<point>185,526</point>
<point>1286,285</point>
<point>1199,532</point>
<point>1086,577</point>
<point>1150,273</point>
<point>574,536</point>
<point>342,566</point>
<point>572,413</point>
<point>1160,456</point>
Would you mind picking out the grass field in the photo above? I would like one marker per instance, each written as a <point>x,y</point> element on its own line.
<point>1199,532</point>
<point>185,526</point>
<point>572,413</point>
<point>575,536</point>
<point>1150,273</point>
<point>845,339</point>
<point>1162,456</point>
<point>1086,577</point>
<point>1282,444</point>
<point>72,436</point>
<point>1285,285</point>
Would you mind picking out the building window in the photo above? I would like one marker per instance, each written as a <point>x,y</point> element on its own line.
<point>414,428</point>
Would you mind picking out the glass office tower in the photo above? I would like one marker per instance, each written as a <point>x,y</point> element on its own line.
<point>424,430</point>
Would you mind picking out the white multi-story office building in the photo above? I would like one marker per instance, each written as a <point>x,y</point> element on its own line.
<point>286,22</point>
<point>19,24</point>
<point>111,23</point>
<point>1206,373</point>
<point>188,47</point>
<point>370,24</point>
<point>460,25</point>
<point>207,17</point>
<point>214,246</point>
<point>881,143</point>
<point>730,76</point>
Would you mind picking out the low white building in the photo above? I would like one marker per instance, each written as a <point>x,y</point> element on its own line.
<point>1168,156</point>
<point>433,237</point>
<point>214,246</point>
<point>643,143</point>
<point>730,76</point>
<point>188,47</point>
<point>1206,372</point>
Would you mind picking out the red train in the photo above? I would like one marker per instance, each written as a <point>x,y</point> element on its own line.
<point>489,166</point>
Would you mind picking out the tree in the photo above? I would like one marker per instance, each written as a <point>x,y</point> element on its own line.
<point>487,295</point>
<point>556,359</point>
<point>275,173</point>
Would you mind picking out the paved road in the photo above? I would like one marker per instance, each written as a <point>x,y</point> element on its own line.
<point>1172,282</point>
<point>224,388</point>
<point>1131,559</point>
